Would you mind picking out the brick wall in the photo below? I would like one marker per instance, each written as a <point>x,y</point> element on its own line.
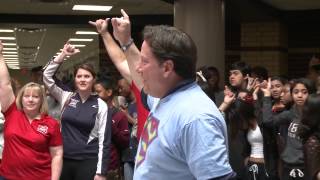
<point>265,44</point>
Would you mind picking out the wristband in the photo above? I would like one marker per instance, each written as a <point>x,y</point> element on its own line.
<point>126,46</point>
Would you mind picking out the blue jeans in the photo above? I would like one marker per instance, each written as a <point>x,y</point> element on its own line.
<point>128,168</point>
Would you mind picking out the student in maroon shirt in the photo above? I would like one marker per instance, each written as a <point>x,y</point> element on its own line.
<point>120,133</point>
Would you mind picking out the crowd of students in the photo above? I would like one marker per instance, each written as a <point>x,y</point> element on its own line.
<point>271,119</point>
<point>256,128</point>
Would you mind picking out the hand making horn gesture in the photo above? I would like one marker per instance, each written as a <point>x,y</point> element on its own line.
<point>122,28</point>
<point>101,25</point>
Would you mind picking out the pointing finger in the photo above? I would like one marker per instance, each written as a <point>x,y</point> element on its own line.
<point>92,23</point>
<point>124,14</point>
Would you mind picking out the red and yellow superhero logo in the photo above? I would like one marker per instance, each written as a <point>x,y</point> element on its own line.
<point>150,132</point>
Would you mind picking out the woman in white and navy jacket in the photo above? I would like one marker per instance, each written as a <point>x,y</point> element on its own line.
<point>85,129</point>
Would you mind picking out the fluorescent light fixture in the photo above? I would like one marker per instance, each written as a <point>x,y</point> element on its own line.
<point>78,39</point>
<point>6,30</point>
<point>91,8</point>
<point>9,49</point>
<point>11,58</point>
<point>7,38</point>
<point>9,44</point>
<point>9,52</point>
<point>13,66</point>
<point>10,55</point>
<point>12,62</point>
<point>78,45</point>
<point>86,32</point>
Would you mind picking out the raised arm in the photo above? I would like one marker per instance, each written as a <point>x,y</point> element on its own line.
<point>6,92</point>
<point>50,70</point>
<point>115,53</point>
<point>268,117</point>
<point>122,32</point>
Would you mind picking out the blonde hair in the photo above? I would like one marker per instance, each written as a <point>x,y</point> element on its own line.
<point>34,86</point>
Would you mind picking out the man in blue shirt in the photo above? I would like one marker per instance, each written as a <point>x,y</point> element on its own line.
<point>185,136</point>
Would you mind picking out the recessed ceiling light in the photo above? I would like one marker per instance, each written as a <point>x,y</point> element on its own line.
<point>10,55</point>
<point>9,49</point>
<point>78,39</point>
<point>9,52</point>
<point>6,30</point>
<point>13,66</point>
<point>91,8</point>
<point>86,32</point>
<point>7,38</point>
<point>9,44</point>
<point>78,45</point>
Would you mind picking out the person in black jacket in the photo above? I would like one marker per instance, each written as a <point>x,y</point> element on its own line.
<point>292,155</point>
<point>309,131</point>
<point>259,158</point>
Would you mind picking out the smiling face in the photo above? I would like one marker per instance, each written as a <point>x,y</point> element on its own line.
<point>151,72</point>
<point>31,101</point>
<point>84,80</point>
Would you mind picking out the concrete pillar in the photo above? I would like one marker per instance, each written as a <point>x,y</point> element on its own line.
<point>204,21</point>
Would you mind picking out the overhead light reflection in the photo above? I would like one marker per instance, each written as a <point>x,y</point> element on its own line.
<point>79,39</point>
<point>86,32</point>
<point>9,44</point>
<point>91,8</point>
<point>7,38</point>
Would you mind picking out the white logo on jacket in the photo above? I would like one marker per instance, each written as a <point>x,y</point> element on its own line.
<point>73,103</point>
<point>43,129</point>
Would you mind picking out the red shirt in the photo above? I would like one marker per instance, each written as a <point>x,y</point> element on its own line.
<point>26,152</point>
<point>141,110</point>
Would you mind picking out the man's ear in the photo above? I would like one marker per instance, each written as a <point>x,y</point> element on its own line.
<point>168,67</point>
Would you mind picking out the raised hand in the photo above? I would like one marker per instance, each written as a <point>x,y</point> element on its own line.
<point>101,25</point>
<point>229,96</point>
<point>256,89</point>
<point>122,28</point>
<point>69,50</point>
<point>251,83</point>
<point>265,87</point>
